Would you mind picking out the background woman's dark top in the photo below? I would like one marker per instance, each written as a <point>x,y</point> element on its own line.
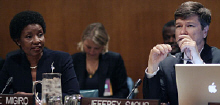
<point>111,65</point>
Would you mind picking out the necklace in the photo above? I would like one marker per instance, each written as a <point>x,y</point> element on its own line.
<point>91,67</point>
<point>34,67</point>
<point>91,73</point>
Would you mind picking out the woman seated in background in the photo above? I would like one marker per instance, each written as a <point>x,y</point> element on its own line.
<point>98,68</point>
<point>27,30</point>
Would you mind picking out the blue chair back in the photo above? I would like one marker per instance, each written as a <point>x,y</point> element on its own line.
<point>130,83</point>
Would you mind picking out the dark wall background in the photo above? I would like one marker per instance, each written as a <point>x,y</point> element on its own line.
<point>134,25</point>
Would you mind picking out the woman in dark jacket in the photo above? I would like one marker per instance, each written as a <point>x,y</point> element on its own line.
<point>27,30</point>
<point>98,68</point>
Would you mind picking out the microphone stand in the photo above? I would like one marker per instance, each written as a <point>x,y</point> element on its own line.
<point>7,84</point>
<point>135,86</point>
<point>131,93</point>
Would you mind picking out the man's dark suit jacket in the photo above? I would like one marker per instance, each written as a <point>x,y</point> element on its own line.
<point>111,65</point>
<point>163,85</point>
<point>18,67</point>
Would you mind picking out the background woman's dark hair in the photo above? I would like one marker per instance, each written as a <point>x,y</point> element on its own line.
<point>22,19</point>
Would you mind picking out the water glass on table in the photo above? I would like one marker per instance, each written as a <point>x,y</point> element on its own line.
<point>72,99</point>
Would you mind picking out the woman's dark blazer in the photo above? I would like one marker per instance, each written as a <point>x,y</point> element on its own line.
<point>111,65</point>
<point>18,67</point>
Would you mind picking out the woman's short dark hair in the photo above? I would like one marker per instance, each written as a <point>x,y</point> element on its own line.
<point>23,19</point>
<point>190,8</point>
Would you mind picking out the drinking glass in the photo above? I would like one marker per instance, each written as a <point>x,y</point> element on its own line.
<point>51,89</point>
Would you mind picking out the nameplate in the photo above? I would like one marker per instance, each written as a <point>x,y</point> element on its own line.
<point>12,99</point>
<point>115,101</point>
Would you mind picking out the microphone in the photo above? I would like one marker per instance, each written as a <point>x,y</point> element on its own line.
<point>137,83</point>
<point>7,84</point>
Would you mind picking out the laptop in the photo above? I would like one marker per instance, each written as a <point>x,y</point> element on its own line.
<point>198,84</point>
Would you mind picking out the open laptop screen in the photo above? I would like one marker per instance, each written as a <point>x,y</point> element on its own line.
<point>198,84</point>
